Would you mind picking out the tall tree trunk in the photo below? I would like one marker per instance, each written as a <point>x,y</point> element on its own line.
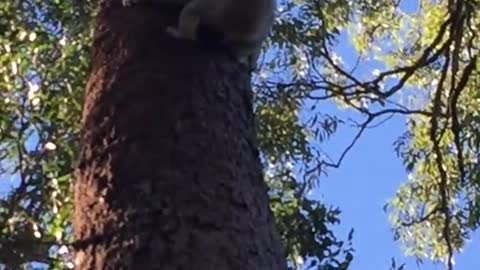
<point>169,175</point>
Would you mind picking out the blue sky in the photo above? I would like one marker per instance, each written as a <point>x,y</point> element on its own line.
<point>366,180</point>
<point>369,176</point>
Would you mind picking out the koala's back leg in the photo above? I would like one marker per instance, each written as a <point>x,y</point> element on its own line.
<point>188,21</point>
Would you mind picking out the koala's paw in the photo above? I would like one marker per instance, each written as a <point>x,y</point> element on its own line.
<point>178,33</point>
<point>127,3</point>
<point>174,32</point>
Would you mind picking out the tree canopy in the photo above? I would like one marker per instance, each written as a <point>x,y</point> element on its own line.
<point>419,59</point>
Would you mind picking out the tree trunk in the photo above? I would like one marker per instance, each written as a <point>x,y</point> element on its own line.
<point>169,175</point>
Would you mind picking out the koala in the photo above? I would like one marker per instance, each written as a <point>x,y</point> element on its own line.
<point>243,24</point>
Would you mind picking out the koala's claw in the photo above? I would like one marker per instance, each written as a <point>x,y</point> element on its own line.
<point>178,33</point>
<point>127,3</point>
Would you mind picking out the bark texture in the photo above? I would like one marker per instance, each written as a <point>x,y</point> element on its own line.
<point>169,175</point>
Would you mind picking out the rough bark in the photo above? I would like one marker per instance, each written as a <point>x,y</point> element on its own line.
<point>169,174</point>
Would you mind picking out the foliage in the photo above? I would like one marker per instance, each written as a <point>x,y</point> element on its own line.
<point>436,210</point>
<point>425,67</point>
<point>43,60</point>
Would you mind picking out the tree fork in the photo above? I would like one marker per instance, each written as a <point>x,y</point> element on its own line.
<point>169,175</point>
